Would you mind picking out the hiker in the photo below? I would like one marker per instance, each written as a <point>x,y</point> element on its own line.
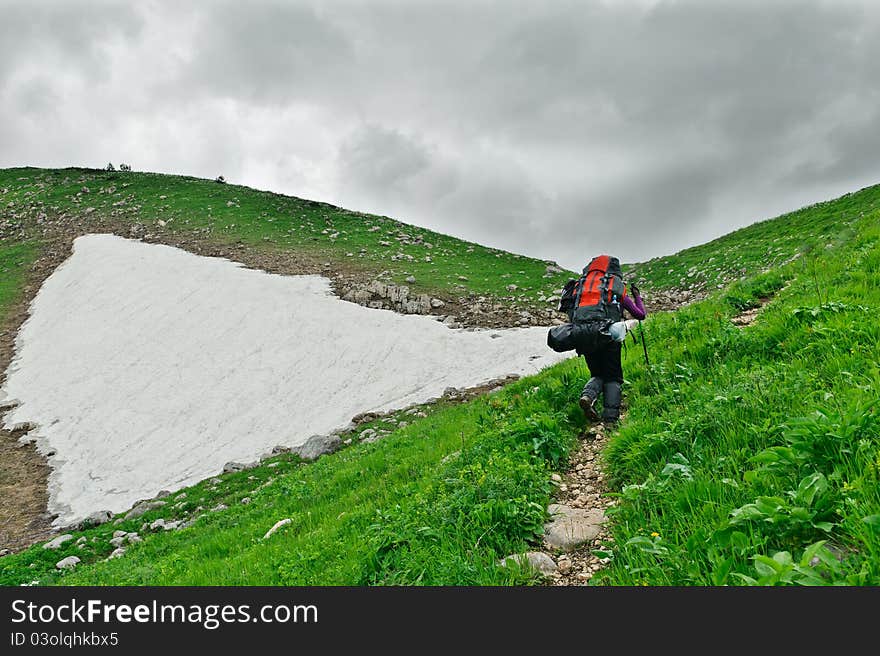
<point>595,304</point>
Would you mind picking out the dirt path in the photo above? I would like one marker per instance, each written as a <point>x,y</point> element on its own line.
<point>583,485</point>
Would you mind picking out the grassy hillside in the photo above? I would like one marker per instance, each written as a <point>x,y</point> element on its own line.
<point>324,237</point>
<point>748,455</point>
<point>761,246</point>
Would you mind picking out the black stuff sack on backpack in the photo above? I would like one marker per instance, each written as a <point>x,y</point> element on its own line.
<point>561,338</point>
<point>576,336</point>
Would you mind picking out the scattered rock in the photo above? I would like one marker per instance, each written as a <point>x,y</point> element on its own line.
<point>95,519</point>
<point>67,563</point>
<point>571,527</point>
<point>219,507</point>
<point>143,507</point>
<point>117,553</point>
<point>536,560</point>
<point>276,526</point>
<point>450,457</point>
<point>239,466</point>
<point>57,542</point>
<point>317,446</point>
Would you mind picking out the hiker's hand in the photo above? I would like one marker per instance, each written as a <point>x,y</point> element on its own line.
<point>635,291</point>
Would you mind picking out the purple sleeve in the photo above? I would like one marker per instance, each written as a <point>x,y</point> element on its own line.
<point>634,307</point>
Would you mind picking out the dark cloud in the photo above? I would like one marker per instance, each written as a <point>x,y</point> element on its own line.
<point>263,52</point>
<point>523,125</point>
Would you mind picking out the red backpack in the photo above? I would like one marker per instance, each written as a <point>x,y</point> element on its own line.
<point>598,294</point>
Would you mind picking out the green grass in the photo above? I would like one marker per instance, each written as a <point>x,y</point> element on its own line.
<point>749,452</point>
<point>762,246</point>
<point>748,456</point>
<point>388,512</point>
<point>15,260</point>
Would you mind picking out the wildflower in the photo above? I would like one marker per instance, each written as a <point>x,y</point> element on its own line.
<point>655,534</point>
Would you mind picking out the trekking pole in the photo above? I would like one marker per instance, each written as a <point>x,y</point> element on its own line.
<point>644,345</point>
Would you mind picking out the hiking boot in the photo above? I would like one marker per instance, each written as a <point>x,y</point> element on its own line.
<point>588,405</point>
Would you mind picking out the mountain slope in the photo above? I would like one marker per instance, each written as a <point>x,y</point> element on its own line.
<point>750,454</point>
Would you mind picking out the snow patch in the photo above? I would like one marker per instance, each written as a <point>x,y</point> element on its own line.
<point>145,367</point>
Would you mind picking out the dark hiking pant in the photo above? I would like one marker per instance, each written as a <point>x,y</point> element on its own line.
<point>607,377</point>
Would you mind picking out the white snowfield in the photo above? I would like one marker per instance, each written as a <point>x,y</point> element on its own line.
<point>145,367</point>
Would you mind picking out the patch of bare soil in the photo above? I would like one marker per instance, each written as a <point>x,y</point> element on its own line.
<point>748,316</point>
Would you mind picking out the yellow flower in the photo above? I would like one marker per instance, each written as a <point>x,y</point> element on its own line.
<point>655,534</point>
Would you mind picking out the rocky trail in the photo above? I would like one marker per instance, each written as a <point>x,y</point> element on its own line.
<point>577,518</point>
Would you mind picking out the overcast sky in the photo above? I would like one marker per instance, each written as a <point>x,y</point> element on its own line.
<point>553,129</point>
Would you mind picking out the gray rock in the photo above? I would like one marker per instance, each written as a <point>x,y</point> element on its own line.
<point>276,526</point>
<point>571,527</point>
<point>57,542</point>
<point>96,519</point>
<point>317,446</point>
<point>537,560</point>
<point>118,534</point>
<point>156,525</point>
<point>4,552</point>
<point>67,563</point>
<point>239,466</point>
<point>117,542</point>
<point>437,303</point>
<point>117,553</point>
<point>143,507</point>
<point>410,279</point>
<point>161,494</point>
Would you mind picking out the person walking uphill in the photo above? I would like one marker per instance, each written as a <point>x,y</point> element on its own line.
<point>595,304</point>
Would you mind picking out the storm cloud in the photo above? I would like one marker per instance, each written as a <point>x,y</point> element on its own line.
<point>555,129</point>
